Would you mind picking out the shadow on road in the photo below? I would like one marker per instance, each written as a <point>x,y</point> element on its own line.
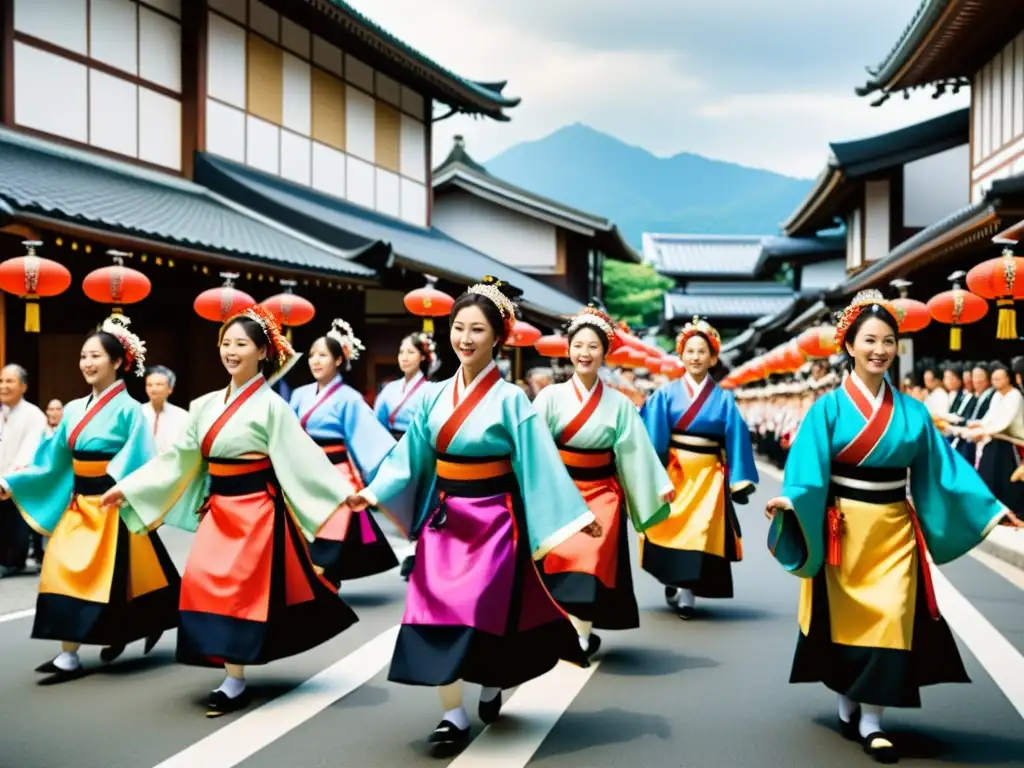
<point>579,731</point>
<point>368,599</point>
<point>649,662</point>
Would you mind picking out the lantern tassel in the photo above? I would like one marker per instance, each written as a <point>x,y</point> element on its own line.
<point>288,333</point>
<point>954,338</point>
<point>116,311</point>
<point>428,325</point>
<point>32,317</point>
<point>1007,320</point>
<point>835,537</point>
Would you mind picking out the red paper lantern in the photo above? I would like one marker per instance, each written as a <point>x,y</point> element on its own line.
<point>957,307</point>
<point>819,342</point>
<point>31,277</point>
<point>792,358</point>
<point>1001,280</point>
<point>672,367</point>
<point>428,303</point>
<point>116,284</point>
<point>288,309</point>
<point>523,335</point>
<point>653,364</point>
<point>911,314</point>
<point>218,304</point>
<point>552,346</point>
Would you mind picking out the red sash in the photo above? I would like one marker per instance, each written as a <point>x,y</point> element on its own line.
<point>410,393</point>
<point>691,413</point>
<point>583,416</point>
<point>463,409</point>
<point>225,417</point>
<point>327,393</point>
<point>91,413</point>
<point>877,423</point>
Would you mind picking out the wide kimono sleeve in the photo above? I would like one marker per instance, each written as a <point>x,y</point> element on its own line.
<point>43,490</point>
<point>743,477</point>
<point>796,536</point>
<point>170,487</point>
<point>553,506</point>
<point>640,471</point>
<point>366,439</point>
<point>381,409</point>
<point>955,507</point>
<point>312,486</point>
<point>655,415</point>
<point>406,477</point>
<point>138,447</point>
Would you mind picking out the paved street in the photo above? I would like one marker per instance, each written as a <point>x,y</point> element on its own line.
<point>711,692</point>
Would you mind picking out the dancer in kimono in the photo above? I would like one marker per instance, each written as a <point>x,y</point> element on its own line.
<point>699,434</point>
<point>491,496</point>
<point>100,584</point>
<point>249,481</point>
<point>398,400</point>
<point>870,628</point>
<point>606,450</point>
<point>336,416</point>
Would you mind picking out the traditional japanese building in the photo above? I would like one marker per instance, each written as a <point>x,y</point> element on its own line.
<point>285,139</point>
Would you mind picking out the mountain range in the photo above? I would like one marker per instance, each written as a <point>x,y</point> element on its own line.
<point>640,192</point>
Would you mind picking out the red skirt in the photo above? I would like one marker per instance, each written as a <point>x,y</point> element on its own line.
<point>249,593</point>
<point>351,545</point>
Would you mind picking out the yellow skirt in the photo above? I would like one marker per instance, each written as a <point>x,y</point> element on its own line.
<point>101,584</point>
<point>694,546</point>
<point>866,629</point>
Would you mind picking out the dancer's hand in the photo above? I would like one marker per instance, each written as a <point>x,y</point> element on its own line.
<point>1018,474</point>
<point>670,495</point>
<point>112,498</point>
<point>1011,520</point>
<point>594,530</point>
<point>357,502</point>
<point>774,506</point>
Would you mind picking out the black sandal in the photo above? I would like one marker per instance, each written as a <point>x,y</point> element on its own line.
<point>220,703</point>
<point>881,753</point>
<point>449,733</point>
<point>111,653</point>
<point>851,728</point>
<point>593,645</point>
<point>490,711</point>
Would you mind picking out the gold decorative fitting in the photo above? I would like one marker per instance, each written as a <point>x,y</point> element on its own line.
<point>868,298</point>
<point>490,290</point>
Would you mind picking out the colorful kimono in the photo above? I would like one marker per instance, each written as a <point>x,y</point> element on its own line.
<point>487,495</point>
<point>869,624</point>
<point>699,435</point>
<point>397,403</point>
<point>253,482</point>
<point>352,544</point>
<point>99,584</point>
<point>603,445</point>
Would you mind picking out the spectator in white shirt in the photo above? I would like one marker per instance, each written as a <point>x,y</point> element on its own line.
<point>22,427</point>
<point>54,413</point>
<point>937,399</point>
<point>166,420</point>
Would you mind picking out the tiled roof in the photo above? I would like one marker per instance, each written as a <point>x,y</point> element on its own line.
<point>685,305</point>
<point>702,254</point>
<point>55,182</point>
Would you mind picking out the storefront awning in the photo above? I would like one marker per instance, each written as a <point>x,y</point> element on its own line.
<point>47,185</point>
<point>349,226</point>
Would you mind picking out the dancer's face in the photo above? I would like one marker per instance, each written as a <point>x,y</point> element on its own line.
<point>586,352</point>
<point>873,348</point>
<point>239,354</point>
<point>322,363</point>
<point>697,357</point>
<point>409,358</point>
<point>95,364</point>
<point>472,337</point>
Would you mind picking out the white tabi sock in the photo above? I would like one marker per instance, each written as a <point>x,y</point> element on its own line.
<point>232,687</point>
<point>458,718</point>
<point>67,661</point>
<point>847,707</point>
<point>870,719</point>
<point>686,598</point>
<point>489,693</point>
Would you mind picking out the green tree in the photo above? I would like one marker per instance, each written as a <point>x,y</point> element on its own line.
<point>633,292</point>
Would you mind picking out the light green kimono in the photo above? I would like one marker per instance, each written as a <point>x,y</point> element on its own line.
<point>264,424</point>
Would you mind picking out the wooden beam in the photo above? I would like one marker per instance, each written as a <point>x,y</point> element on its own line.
<point>23,231</point>
<point>7,62</point>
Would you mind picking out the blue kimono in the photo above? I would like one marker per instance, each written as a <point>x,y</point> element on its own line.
<point>870,626</point>
<point>397,403</point>
<point>351,545</point>
<point>699,434</point>
<point>100,584</point>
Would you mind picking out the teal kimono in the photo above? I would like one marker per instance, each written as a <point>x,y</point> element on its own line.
<point>870,627</point>
<point>100,584</point>
<point>487,493</point>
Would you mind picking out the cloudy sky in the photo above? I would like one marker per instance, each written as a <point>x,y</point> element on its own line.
<point>765,83</point>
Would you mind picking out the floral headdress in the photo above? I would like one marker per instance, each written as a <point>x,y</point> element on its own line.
<point>863,300</point>
<point>698,327</point>
<point>491,289</point>
<point>134,347</point>
<point>424,342</point>
<point>594,317</point>
<point>342,333</point>
<point>279,346</point>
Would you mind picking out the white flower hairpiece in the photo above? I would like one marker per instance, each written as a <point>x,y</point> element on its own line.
<point>342,333</point>
<point>134,347</point>
<point>490,288</point>
<point>429,350</point>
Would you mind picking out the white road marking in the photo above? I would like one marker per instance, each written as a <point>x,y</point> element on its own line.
<point>1012,574</point>
<point>18,615</point>
<point>535,708</point>
<point>251,732</point>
